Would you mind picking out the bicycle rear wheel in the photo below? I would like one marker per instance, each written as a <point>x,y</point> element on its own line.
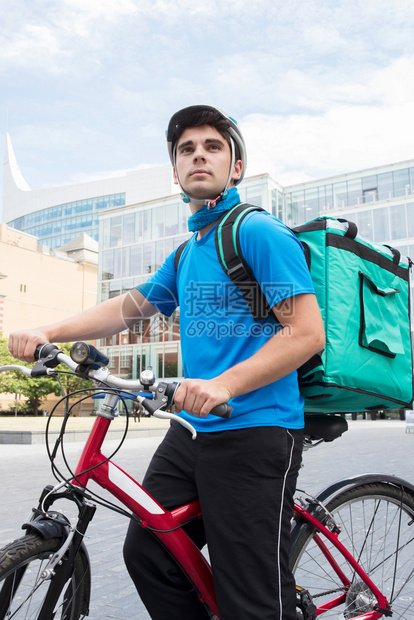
<point>377,527</point>
<point>22,588</point>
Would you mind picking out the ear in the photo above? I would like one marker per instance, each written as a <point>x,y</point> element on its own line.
<point>237,171</point>
<point>175,177</point>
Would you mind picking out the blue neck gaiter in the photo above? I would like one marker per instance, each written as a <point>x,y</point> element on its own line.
<point>209,213</point>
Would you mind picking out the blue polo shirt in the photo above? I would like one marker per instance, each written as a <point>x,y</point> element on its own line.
<point>216,326</point>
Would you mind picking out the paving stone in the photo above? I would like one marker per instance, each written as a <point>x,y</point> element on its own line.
<point>24,469</point>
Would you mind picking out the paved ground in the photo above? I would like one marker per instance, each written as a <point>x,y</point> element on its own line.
<point>367,447</point>
<point>38,423</point>
<point>30,430</point>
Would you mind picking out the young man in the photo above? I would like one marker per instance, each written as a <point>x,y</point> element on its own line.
<point>243,469</point>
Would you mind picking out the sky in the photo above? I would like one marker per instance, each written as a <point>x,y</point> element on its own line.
<point>318,87</point>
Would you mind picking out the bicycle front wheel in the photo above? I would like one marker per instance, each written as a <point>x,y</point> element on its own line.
<point>376,523</point>
<point>23,589</point>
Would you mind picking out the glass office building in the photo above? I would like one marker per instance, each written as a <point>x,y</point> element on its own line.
<point>134,241</point>
<point>380,202</point>
<point>55,226</point>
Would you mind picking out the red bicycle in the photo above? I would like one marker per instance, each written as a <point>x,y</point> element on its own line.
<point>352,545</point>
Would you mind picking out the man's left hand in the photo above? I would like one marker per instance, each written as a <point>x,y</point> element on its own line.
<point>199,396</point>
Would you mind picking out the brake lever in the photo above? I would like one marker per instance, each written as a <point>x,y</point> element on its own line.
<point>166,415</point>
<point>163,397</point>
<point>40,369</point>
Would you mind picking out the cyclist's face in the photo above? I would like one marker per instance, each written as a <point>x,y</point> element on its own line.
<point>202,164</point>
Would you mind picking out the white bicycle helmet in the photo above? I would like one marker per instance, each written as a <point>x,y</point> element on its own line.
<point>182,119</point>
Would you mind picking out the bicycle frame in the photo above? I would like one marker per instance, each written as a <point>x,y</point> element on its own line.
<point>169,532</point>
<point>333,538</point>
<point>150,513</point>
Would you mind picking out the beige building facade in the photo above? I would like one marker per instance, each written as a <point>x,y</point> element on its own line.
<point>39,285</point>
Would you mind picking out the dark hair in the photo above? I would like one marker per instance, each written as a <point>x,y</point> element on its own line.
<point>205,117</point>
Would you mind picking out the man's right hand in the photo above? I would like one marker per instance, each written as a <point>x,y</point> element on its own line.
<point>22,344</point>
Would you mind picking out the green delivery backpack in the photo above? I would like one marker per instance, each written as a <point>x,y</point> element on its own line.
<point>363,292</point>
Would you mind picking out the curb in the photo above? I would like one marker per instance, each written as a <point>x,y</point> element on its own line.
<point>38,437</point>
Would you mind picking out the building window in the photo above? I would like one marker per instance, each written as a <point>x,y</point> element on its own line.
<point>364,223</point>
<point>168,363</point>
<point>311,206</point>
<point>171,220</point>
<point>354,192</point>
<point>385,186</point>
<point>115,232</point>
<point>124,358</point>
<point>398,222</point>
<point>158,222</point>
<point>410,219</point>
<point>370,195</point>
<point>381,225</point>
<point>401,180</point>
<point>340,195</point>
<point>111,356</point>
<point>128,228</point>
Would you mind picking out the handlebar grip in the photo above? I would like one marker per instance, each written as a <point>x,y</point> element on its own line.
<point>222,411</point>
<point>43,349</point>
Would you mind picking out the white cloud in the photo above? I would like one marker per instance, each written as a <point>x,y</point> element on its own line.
<point>320,86</point>
<point>103,8</point>
<point>34,45</point>
<point>56,36</point>
<point>344,137</point>
<point>81,35</point>
<point>63,137</point>
<point>106,174</point>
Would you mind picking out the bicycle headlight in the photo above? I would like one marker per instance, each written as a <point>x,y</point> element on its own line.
<point>80,352</point>
<point>87,355</point>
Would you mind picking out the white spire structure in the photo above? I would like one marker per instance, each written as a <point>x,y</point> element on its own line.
<point>12,169</point>
<point>58,214</point>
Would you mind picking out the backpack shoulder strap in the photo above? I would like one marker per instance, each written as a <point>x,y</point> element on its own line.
<point>233,263</point>
<point>177,255</point>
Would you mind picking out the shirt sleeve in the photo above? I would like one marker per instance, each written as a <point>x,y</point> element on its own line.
<point>275,256</point>
<point>161,288</point>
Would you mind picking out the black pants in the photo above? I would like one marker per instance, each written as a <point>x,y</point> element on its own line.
<point>245,480</point>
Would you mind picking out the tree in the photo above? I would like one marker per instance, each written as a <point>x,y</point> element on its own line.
<point>71,382</point>
<point>35,390</point>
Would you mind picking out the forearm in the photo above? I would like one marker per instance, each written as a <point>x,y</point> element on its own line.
<point>103,320</point>
<point>280,356</point>
<point>301,337</point>
<point>100,321</point>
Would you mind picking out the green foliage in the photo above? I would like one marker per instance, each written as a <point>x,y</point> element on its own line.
<point>35,390</point>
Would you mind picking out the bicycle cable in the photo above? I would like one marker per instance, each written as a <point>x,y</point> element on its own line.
<point>60,443</point>
<point>88,494</point>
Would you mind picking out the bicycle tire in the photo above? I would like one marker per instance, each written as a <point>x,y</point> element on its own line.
<point>377,527</point>
<point>21,563</point>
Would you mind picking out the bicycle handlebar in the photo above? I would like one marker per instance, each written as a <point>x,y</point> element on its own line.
<point>49,356</point>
